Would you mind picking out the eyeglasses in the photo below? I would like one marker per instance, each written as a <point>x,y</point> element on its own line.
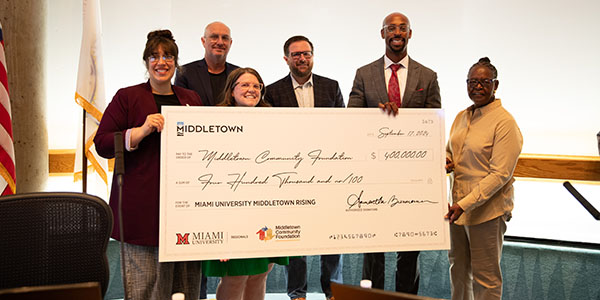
<point>248,85</point>
<point>215,38</point>
<point>296,55</point>
<point>392,28</point>
<point>483,82</point>
<point>156,58</point>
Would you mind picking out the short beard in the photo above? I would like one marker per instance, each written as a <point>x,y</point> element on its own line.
<point>389,43</point>
<point>300,74</point>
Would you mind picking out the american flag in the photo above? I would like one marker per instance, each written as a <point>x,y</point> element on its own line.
<point>7,152</point>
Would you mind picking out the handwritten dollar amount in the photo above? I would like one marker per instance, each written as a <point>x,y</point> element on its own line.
<point>280,179</point>
<point>403,155</point>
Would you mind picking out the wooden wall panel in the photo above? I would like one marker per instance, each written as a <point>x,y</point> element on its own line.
<point>563,167</point>
<point>62,162</point>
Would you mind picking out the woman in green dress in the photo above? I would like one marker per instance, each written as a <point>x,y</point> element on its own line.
<point>242,279</point>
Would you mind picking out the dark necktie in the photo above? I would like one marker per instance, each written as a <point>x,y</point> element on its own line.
<point>394,87</point>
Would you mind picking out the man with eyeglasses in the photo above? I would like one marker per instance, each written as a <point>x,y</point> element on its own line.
<point>395,81</point>
<point>302,88</point>
<point>207,76</point>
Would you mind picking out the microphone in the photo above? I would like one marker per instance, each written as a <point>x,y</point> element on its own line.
<point>119,171</point>
<point>589,207</point>
<point>119,160</point>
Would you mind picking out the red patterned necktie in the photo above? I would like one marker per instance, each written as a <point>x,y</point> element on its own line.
<point>394,87</point>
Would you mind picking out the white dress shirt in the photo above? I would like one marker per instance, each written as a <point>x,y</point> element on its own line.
<point>304,92</point>
<point>402,73</point>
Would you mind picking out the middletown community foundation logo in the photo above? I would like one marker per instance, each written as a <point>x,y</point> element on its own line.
<point>265,234</point>
<point>280,233</point>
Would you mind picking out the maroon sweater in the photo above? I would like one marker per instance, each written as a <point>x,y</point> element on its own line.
<point>141,181</point>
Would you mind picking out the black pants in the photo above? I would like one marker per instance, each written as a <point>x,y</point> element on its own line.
<point>203,287</point>
<point>331,270</point>
<point>407,271</point>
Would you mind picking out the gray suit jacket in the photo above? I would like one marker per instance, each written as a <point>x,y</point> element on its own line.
<point>194,76</point>
<point>598,136</point>
<point>369,88</point>
<point>326,93</point>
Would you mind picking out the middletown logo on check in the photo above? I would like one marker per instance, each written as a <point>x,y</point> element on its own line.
<point>203,128</point>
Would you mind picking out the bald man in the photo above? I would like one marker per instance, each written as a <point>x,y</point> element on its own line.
<point>207,76</point>
<point>400,80</point>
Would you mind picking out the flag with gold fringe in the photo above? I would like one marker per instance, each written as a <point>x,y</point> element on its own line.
<point>90,91</point>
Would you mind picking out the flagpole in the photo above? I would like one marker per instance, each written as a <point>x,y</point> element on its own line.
<point>83,160</point>
<point>90,96</point>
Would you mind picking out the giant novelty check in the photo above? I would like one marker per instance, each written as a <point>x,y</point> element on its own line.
<point>264,182</point>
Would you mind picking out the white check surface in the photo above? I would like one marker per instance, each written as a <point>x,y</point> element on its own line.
<point>255,182</point>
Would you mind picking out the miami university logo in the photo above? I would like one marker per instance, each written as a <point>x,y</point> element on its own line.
<point>183,239</point>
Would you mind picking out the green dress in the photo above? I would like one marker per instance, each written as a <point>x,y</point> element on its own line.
<point>242,266</point>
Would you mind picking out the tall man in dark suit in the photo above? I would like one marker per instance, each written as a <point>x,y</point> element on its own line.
<point>207,76</point>
<point>302,88</point>
<point>398,80</point>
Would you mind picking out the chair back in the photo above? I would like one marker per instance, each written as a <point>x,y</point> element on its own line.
<point>53,238</point>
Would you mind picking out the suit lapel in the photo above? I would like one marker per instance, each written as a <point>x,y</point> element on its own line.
<point>288,93</point>
<point>205,79</point>
<point>378,77</point>
<point>229,68</point>
<point>318,92</point>
<point>412,79</point>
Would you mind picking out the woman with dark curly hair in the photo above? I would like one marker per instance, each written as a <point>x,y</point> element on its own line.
<point>135,111</point>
